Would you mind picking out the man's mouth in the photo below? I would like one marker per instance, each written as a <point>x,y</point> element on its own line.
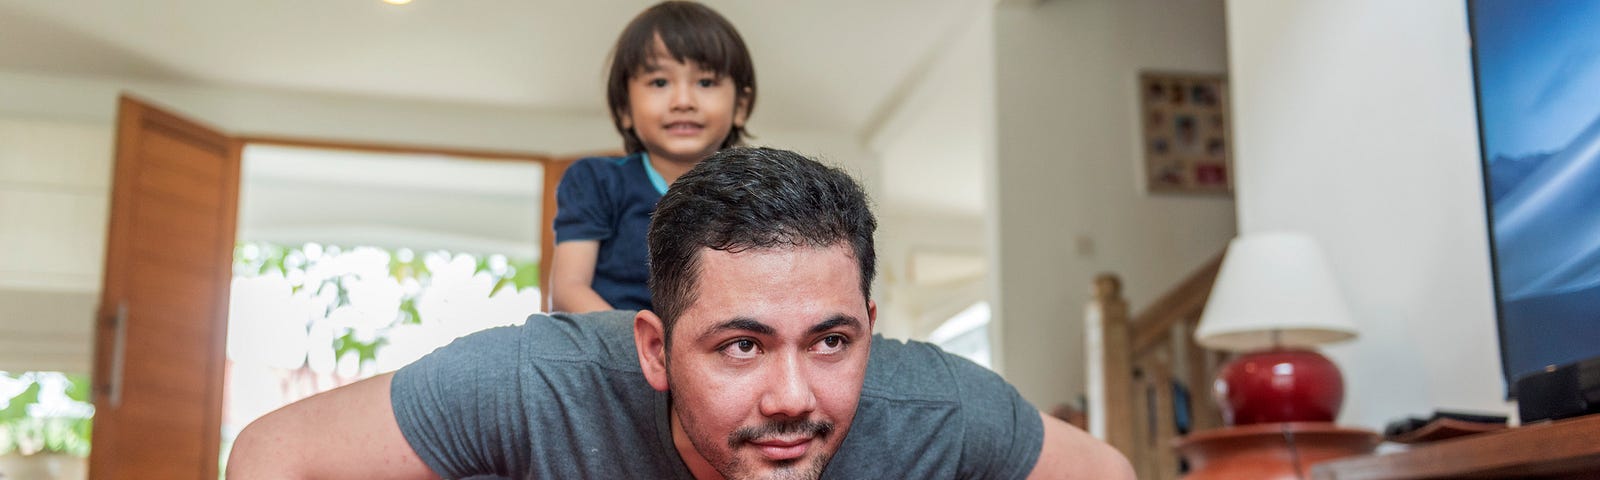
<point>779,449</point>
<point>781,441</point>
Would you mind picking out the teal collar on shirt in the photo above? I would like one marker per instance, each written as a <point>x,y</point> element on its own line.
<point>655,177</point>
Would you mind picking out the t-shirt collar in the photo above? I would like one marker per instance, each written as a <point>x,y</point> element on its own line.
<point>655,177</point>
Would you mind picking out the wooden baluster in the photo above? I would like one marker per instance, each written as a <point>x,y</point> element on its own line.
<point>1111,383</point>
<point>1202,372</point>
<point>1162,454</point>
<point>1143,435</point>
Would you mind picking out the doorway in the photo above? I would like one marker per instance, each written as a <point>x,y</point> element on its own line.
<point>160,338</point>
<point>350,263</point>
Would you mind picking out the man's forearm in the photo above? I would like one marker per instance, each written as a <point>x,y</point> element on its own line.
<point>347,432</point>
<point>1070,453</point>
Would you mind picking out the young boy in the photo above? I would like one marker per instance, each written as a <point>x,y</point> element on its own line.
<point>680,87</point>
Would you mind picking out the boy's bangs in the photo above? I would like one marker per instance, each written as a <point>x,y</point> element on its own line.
<point>707,48</point>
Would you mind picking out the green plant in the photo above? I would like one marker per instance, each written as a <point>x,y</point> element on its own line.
<point>298,265</point>
<point>33,423</point>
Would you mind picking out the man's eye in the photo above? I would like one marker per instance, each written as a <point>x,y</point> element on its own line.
<point>832,343</point>
<point>742,348</point>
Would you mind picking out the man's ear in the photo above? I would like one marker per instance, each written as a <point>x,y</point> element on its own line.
<point>649,338</point>
<point>872,315</point>
<point>741,108</point>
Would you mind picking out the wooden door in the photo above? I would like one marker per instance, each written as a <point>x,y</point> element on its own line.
<point>163,313</point>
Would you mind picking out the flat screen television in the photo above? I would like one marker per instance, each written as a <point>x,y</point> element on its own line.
<point>1537,70</point>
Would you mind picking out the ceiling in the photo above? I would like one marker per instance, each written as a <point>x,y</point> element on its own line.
<point>822,64</point>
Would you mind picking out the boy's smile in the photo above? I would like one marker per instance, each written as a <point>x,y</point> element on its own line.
<point>685,128</point>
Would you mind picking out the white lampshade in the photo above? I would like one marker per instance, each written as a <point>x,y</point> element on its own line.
<point>1275,282</point>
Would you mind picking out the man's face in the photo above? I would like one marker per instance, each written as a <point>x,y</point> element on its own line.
<point>765,367</point>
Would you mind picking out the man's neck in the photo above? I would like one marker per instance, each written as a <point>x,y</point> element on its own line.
<point>698,466</point>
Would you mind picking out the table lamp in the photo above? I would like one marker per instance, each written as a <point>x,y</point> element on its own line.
<point>1273,299</point>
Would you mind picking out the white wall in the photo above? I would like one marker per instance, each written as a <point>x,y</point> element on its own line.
<point>1069,173</point>
<point>54,198</point>
<point>1355,122</point>
<point>55,179</point>
<point>935,151</point>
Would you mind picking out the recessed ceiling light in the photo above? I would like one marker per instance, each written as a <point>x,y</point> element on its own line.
<point>397,2</point>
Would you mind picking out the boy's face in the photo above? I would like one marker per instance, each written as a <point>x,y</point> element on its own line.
<point>766,365</point>
<point>680,111</point>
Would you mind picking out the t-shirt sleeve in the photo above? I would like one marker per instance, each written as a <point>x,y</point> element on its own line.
<point>1003,432</point>
<point>458,406</point>
<point>583,204</point>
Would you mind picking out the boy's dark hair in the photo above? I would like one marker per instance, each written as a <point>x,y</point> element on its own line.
<point>753,198</point>
<point>691,32</point>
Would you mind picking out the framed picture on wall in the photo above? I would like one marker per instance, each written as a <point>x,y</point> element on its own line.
<point>1188,144</point>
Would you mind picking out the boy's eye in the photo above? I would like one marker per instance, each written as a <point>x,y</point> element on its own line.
<point>657,82</point>
<point>741,348</point>
<point>708,82</point>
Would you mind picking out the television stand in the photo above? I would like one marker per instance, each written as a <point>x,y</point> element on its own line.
<point>1565,449</point>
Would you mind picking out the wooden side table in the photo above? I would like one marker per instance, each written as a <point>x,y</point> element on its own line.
<point>1562,449</point>
<point>1270,451</point>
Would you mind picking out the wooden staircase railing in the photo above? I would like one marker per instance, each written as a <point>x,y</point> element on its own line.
<point>1138,363</point>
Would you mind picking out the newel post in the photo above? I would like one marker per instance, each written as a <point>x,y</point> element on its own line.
<point>1109,363</point>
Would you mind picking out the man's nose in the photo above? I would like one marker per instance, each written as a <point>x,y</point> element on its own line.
<point>789,391</point>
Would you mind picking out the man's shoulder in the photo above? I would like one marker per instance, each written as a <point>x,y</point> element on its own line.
<point>933,414</point>
<point>562,386</point>
<point>602,337</point>
<point>913,371</point>
<point>914,415</point>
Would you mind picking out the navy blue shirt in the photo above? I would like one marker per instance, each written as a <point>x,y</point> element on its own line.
<point>610,199</point>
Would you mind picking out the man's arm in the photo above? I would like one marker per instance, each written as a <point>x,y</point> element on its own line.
<point>1070,453</point>
<point>347,432</point>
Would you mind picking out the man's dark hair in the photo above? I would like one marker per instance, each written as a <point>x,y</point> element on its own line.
<point>752,199</point>
<point>691,32</point>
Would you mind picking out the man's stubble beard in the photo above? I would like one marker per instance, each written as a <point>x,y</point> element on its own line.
<point>732,467</point>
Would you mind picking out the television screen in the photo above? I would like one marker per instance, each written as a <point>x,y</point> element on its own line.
<point>1537,65</point>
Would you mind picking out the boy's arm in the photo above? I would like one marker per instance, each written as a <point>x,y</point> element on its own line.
<point>347,432</point>
<point>1070,453</point>
<point>571,274</point>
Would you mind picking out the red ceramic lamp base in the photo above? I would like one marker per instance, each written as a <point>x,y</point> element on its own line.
<point>1279,385</point>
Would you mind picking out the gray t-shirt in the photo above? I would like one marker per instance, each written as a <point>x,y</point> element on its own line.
<point>562,396</point>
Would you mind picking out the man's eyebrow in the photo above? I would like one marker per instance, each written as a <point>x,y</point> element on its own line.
<point>740,323</point>
<point>839,320</point>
